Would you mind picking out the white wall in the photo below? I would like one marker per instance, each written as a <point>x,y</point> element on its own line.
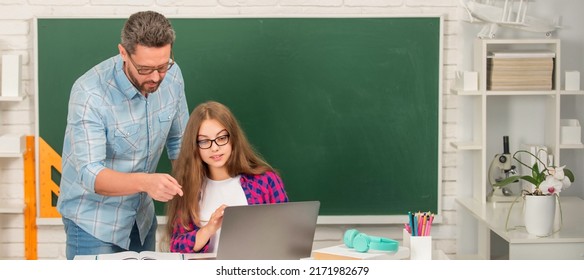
<point>16,36</point>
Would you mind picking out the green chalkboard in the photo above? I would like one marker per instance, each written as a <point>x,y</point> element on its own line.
<point>347,109</point>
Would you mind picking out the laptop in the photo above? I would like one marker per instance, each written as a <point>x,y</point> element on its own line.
<point>282,231</point>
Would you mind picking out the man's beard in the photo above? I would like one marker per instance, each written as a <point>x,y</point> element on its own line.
<point>142,86</point>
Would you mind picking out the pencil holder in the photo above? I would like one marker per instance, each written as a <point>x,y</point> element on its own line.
<point>420,246</point>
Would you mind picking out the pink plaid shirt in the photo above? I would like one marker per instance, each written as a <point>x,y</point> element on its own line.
<point>266,188</point>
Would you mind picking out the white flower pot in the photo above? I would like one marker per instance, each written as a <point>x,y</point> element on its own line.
<point>540,212</point>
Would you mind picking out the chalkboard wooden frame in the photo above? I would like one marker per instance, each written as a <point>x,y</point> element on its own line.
<point>406,162</point>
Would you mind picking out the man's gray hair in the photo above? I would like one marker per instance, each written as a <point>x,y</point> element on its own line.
<point>149,29</point>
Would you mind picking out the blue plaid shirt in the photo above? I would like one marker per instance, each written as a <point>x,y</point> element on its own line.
<point>111,125</point>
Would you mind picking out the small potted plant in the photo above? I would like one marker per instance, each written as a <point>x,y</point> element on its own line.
<point>548,181</point>
<point>540,200</point>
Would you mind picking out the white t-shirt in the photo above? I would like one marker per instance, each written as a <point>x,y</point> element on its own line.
<point>215,193</point>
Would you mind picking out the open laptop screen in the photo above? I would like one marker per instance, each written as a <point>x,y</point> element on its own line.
<point>283,231</point>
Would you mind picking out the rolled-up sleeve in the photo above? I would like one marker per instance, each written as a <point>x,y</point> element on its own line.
<point>87,140</point>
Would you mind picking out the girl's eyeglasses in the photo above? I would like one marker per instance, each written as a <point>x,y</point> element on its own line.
<point>207,143</point>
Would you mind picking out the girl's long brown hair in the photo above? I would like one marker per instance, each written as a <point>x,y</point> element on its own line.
<point>190,171</point>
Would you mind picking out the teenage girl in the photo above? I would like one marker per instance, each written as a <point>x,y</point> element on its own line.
<point>217,167</point>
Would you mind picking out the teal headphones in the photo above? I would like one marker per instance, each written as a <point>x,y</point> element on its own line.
<point>363,242</point>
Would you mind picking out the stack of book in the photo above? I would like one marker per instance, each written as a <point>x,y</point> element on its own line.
<point>524,70</point>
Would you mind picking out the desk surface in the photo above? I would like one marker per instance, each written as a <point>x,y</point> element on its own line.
<point>436,255</point>
<point>161,255</point>
<point>494,216</point>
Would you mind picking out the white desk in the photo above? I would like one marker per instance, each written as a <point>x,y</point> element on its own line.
<point>158,256</point>
<point>568,243</point>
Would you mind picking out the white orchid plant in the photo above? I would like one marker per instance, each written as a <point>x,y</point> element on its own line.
<point>548,181</point>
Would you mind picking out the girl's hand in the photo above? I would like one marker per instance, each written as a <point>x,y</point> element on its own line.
<point>216,219</point>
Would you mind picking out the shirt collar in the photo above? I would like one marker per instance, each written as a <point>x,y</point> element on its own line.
<point>122,80</point>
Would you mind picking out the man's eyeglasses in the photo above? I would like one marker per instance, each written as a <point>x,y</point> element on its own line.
<point>207,143</point>
<point>144,70</point>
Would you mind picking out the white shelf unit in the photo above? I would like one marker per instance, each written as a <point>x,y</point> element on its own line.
<point>10,155</point>
<point>12,146</point>
<point>11,98</point>
<point>529,117</point>
<point>17,152</point>
<point>572,155</point>
<point>485,116</point>
<point>12,209</point>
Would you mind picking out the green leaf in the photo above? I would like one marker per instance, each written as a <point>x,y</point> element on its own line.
<point>513,179</point>
<point>534,170</point>
<point>540,177</point>
<point>507,181</point>
<point>532,180</point>
<point>568,173</point>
